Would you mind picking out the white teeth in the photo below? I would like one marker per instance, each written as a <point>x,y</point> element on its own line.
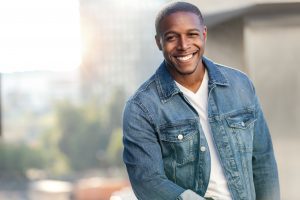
<point>184,58</point>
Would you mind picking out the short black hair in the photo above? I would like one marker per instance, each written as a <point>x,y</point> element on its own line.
<point>177,7</point>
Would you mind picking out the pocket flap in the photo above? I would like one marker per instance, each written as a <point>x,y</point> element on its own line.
<point>242,119</point>
<point>178,132</point>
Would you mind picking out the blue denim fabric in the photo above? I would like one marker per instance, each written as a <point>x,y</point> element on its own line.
<point>162,165</point>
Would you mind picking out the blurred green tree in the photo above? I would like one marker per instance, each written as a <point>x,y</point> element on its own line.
<point>16,159</point>
<point>86,132</point>
<point>82,135</point>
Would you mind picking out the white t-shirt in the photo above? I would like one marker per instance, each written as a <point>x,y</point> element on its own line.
<point>217,187</point>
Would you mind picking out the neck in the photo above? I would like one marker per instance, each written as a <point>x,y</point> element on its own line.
<point>192,81</point>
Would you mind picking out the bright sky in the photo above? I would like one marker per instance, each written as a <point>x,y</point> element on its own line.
<point>39,35</point>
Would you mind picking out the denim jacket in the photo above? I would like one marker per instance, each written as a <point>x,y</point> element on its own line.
<point>163,139</point>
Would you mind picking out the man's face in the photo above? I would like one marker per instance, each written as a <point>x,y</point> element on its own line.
<point>181,38</point>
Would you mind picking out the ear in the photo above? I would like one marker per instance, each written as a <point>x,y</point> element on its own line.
<point>204,33</point>
<point>157,39</point>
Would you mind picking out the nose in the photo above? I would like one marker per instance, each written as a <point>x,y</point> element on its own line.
<point>183,43</point>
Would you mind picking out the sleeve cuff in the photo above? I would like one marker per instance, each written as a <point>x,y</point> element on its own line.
<point>189,195</point>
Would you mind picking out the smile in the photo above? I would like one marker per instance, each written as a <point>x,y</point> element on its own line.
<point>185,58</point>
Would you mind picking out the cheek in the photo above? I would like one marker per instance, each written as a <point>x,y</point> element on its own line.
<point>201,44</point>
<point>167,50</point>
<point>169,46</point>
<point>167,56</point>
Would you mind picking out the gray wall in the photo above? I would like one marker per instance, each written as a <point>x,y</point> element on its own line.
<point>272,49</point>
<point>225,44</point>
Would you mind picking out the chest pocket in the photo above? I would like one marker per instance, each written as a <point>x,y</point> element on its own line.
<point>179,141</point>
<point>241,125</point>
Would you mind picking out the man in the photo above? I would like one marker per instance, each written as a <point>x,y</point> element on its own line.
<point>195,129</point>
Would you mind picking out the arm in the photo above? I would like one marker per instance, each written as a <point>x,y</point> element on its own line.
<point>265,174</point>
<point>143,158</point>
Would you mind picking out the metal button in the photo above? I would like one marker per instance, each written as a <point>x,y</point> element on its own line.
<point>243,124</point>
<point>202,148</point>
<point>180,137</point>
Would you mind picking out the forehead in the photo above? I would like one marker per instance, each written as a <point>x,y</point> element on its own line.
<point>179,21</point>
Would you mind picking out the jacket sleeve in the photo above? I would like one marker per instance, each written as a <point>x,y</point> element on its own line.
<point>143,158</point>
<point>265,174</point>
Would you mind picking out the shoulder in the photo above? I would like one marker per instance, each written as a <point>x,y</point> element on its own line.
<point>235,77</point>
<point>140,105</point>
<point>144,90</point>
<point>231,72</point>
<point>144,97</point>
<point>238,89</point>
<point>237,83</point>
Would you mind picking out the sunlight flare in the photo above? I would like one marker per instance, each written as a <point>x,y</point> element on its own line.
<point>39,35</point>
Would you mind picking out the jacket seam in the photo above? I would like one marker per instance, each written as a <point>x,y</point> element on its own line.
<point>145,110</point>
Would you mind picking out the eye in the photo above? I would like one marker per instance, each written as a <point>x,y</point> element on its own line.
<point>170,38</point>
<point>193,34</point>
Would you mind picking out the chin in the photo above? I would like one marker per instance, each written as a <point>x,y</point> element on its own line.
<point>189,71</point>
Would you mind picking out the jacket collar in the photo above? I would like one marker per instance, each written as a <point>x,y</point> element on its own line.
<point>167,87</point>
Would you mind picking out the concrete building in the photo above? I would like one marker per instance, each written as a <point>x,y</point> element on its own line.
<point>116,37</point>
